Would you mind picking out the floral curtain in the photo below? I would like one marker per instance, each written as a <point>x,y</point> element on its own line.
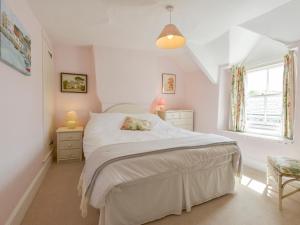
<point>289,95</point>
<point>238,99</point>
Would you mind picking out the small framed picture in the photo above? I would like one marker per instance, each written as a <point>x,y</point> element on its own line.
<point>73,83</point>
<point>168,83</point>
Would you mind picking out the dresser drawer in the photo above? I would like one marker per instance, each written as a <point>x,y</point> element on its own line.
<point>172,115</point>
<point>70,154</point>
<point>187,114</point>
<point>70,136</point>
<point>187,127</point>
<point>69,144</point>
<point>178,122</point>
<point>179,118</point>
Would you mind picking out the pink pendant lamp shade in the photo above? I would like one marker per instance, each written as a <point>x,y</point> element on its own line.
<point>170,37</point>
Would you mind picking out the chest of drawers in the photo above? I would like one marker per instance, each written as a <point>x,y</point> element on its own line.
<point>179,118</point>
<point>69,143</point>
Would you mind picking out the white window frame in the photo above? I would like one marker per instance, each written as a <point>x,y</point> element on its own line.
<point>265,67</point>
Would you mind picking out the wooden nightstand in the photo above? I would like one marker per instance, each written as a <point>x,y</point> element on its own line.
<point>69,143</point>
<point>179,118</point>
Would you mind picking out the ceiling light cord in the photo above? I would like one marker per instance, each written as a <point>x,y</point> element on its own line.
<point>170,9</point>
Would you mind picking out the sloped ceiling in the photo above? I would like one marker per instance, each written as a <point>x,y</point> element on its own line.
<point>135,24</point>
<point>281,24</point>
<point>209,56</point>
<point>265,51</point>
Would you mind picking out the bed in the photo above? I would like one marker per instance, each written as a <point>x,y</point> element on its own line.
<point>135,177</point>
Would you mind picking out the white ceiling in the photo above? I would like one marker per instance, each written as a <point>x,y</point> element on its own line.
<point>135,24</point>
<point>209,26</point>
<point>281,24</point>
<point>265,51</point>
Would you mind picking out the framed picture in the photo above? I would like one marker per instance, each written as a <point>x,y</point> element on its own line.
<point>168,83</point>
<point>73,83</point>
<point>15,42</point>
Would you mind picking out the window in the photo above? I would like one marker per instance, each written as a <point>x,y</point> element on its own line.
<point>264,105</point>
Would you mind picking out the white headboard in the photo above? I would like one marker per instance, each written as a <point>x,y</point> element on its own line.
<point>126,108</point>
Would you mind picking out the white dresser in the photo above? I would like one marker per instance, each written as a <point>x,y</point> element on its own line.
<point>69,143</point>
<point>179,118</point>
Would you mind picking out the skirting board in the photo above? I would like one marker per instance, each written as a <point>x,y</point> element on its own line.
<point>20,210</point>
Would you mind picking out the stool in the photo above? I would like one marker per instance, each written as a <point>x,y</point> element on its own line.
<point>279,167</point>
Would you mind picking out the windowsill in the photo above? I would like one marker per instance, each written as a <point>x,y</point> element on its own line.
<point>260,136</point>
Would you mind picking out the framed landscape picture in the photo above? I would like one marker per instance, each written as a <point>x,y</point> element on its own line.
<point>168,83</point>
<point>15,42</point>
<point>73,83</point>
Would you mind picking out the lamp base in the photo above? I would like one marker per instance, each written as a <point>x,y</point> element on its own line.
<point>71,124</point>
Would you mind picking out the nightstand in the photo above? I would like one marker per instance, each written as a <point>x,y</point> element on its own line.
<point>69,143</point>
<point>179,118</point>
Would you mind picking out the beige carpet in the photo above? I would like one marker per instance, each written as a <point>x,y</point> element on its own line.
<point>57,203</point>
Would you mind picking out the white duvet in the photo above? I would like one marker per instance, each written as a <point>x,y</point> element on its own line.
<point>104,129</point>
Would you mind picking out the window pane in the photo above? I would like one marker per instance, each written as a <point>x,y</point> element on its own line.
<point>274,113</point>
<point>255,112</point>
<point>274,104</point>
<point>275,79</point>
<point>255,105</point>
<point>257,82</point>
<point>264,101</point>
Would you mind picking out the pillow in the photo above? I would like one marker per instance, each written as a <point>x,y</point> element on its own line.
<point>104,122</point>
<point>131,123</point>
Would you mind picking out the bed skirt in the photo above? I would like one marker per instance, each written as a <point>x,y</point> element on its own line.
<point>156,197</point>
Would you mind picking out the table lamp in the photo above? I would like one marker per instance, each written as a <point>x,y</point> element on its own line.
<point>160,105</point>
<point>71,119</point>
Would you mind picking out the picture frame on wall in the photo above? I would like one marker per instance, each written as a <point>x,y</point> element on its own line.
<point>73,83</point>
<point>15,41</point>
<point>168,83</point>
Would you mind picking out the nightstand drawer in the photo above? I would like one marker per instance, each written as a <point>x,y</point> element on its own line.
<point>70,136</point>
<point>69,154</point>
<point>69,144</point>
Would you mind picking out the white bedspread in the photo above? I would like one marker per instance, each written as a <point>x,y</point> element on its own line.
<point>105,130</point>
<point>99,132</point>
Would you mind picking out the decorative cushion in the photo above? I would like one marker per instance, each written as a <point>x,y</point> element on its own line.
<point>131,123</point>
<point>285,165</point>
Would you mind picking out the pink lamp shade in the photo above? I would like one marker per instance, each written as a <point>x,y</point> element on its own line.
<point>161,102</point>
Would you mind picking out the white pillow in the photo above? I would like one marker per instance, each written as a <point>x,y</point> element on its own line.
<point>113,121</point>
<point>104,121</point>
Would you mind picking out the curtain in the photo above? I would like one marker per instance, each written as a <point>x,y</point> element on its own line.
<point>289,95</point>
<point>238,99</point>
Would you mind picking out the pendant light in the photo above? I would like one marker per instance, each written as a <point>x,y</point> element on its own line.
<point>170,37</point>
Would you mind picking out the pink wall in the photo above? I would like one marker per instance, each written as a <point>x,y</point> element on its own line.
<point>202,95</point>
<point>116,76</point>
<point>74,59</point>
<point>212,104</point>
<point>135,76</point>
<point>21,119</point>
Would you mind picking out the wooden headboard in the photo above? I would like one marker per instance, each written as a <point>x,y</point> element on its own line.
<point>126,108</point>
